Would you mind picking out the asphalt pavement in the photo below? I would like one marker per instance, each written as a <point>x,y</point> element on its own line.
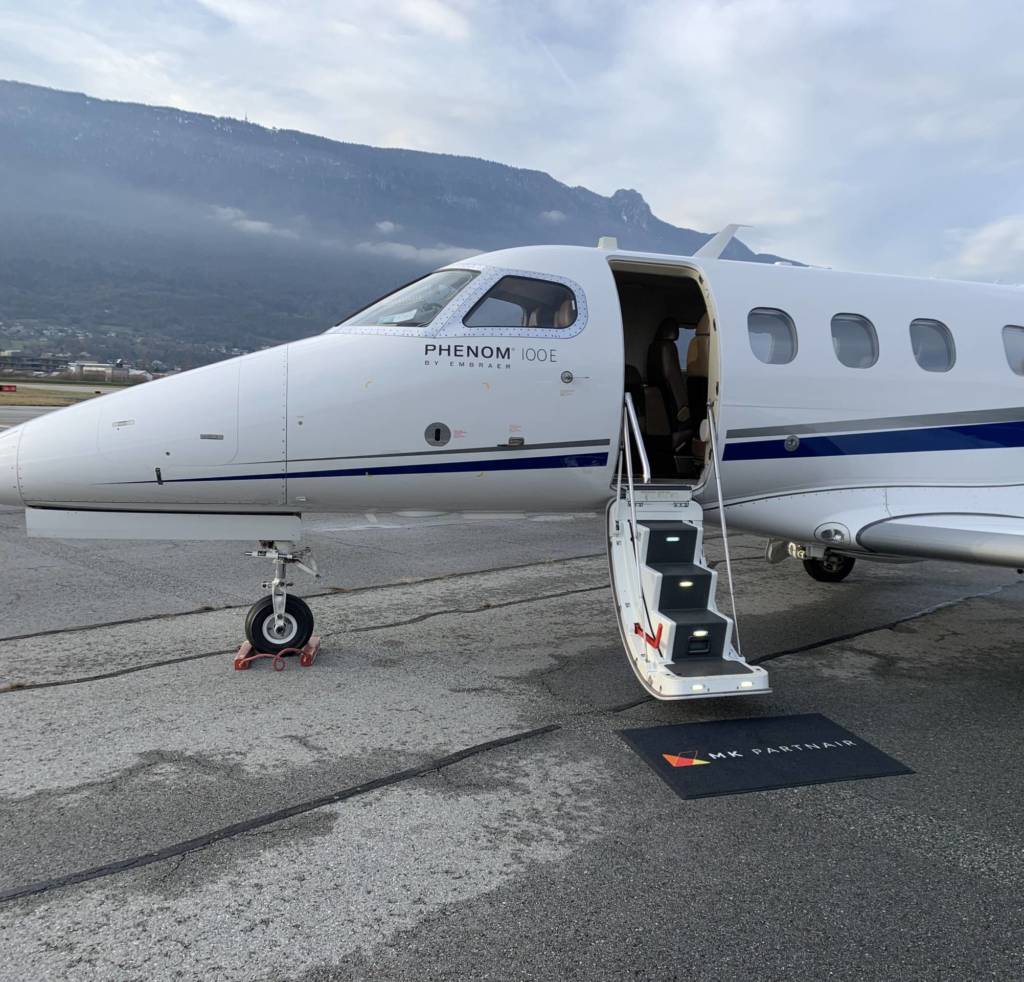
<point>13,415</point>
<point>444,795</point>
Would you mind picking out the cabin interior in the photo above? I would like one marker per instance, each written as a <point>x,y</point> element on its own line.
<point>667,346</point>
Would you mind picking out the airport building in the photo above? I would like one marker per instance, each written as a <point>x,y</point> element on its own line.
<point>17,362</point>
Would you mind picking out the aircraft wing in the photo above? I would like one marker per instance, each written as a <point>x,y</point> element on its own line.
<point>992,540</point>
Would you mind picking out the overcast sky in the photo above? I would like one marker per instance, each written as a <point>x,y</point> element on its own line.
<point>860,133</point>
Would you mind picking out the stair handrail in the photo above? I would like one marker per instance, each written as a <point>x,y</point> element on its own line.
<point>716,457</point>
<point>630,423</point>
<point>634,425</point>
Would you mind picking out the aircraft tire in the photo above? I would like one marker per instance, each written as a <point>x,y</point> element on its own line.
<point>297,630</point>
<point>831,569</point>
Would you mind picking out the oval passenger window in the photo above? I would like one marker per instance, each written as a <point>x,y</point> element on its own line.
<point>854,340</point>
<point>1013,345</point>
<point>933,345</point>
<point>772,335</point>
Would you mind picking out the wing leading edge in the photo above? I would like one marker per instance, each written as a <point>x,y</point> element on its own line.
<point>991,540</point>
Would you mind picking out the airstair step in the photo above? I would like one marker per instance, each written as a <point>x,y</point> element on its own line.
<point>696,667</point>
<point>660,577</point>
<point>684,586</point>
<point>698,634</point>
<point>670,542</point>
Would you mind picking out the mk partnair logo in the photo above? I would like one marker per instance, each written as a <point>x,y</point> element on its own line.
<point>691,759</point>
<point>494,356</point>
<point>684,760</point>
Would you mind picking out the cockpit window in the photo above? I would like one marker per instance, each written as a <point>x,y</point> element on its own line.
<point>415,305</point>
<point>520,301</point>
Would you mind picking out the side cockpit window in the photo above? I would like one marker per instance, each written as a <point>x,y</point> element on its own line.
<point>415,305</point>
<point>523,302</point>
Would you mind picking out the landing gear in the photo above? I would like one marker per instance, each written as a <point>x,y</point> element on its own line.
<point>280,620</point>
<point>267,633</point>
<point>831,568</point>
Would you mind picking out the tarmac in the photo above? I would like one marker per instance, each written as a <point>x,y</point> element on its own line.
<point>13,415</point>
<point>444,794</point>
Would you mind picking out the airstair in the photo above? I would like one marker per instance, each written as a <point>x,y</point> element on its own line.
<point>679,644</point>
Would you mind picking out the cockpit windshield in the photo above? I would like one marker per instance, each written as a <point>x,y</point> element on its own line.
<point>415,305</point>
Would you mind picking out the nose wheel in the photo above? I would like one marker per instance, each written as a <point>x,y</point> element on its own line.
<point>280,620</point>
<point>271,634</point>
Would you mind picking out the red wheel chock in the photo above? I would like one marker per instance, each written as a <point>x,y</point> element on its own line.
<point>307,655</point>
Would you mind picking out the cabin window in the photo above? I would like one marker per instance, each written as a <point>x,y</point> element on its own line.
<point>933,345</point>
<point>416,304</point>
<point>1013,343</point>
<point>854,340</point>
<point>772,335</point>
<point>519,301</point>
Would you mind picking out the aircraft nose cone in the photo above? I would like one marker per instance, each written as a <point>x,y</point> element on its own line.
<point>9,440</point>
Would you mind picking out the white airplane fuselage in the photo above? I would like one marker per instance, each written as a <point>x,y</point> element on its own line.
<point>338,422</point>
<point>840,415</point>
<point>531,418</point>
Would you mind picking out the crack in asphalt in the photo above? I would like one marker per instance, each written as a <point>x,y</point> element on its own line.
<point>848,636</point>
<point>471,610</point>
<point>188,846</point>
<point>419,619</point>
<point>9,687</point>
<point>329,592</point>
<point>182,849</point>
<point>888,626</point>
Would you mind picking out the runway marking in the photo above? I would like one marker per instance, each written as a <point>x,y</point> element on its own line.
<point>239,828</point>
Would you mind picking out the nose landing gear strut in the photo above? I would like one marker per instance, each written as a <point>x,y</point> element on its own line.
<point>280,620</point>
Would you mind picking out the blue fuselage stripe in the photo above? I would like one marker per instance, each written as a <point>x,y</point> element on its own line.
<point>451,467</point>
<point>982,436</point>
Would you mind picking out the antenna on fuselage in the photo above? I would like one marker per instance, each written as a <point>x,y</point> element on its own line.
<point>716,245</point>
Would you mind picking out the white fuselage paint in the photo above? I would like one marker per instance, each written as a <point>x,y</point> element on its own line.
<point>340,422</point>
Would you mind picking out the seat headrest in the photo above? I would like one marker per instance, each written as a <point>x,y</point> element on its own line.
<point>633,377</point>
<point>668,330</point>
<point>704,326</point>
<point>565,314</point>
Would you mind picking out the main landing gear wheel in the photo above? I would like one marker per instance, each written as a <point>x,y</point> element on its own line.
<point>271,635</point>
<point>831,569</point>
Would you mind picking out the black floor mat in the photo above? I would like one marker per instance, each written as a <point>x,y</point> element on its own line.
<point>734,756</point>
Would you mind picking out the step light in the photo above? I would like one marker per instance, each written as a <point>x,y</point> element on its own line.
<point>747,684</point>
<point>686,584</point>
<point>699,634</point>
<point>697,688</point>
<point>672,538</point>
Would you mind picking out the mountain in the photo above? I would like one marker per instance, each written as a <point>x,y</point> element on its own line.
<point>146,232</point>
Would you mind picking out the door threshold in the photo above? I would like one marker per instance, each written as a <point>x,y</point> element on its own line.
<point>669,483</point>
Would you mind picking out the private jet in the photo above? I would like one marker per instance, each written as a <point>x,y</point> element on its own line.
<point>841,416</point>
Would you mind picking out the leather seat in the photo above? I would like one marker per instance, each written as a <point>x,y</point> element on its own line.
<point>664,369</point>
<point>665,373</point>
